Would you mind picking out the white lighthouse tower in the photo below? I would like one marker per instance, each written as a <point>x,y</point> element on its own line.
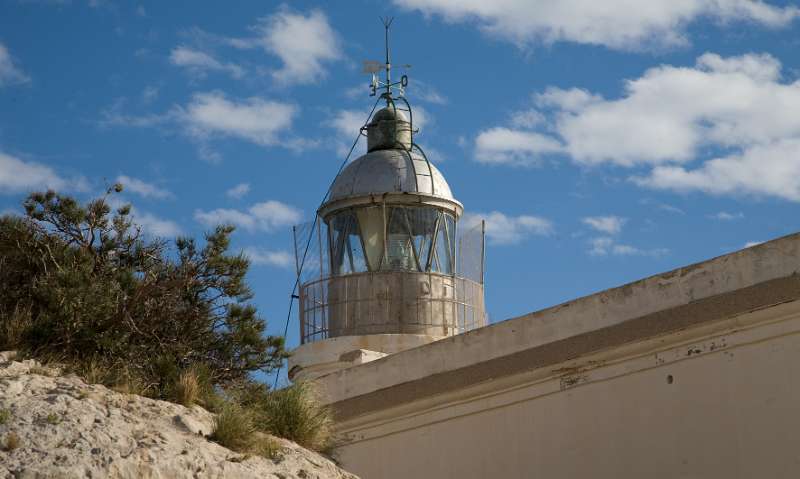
<point>393,270</point>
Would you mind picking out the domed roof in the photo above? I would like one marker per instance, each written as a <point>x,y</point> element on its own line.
<point>390,171</point>
<point>389,113</point>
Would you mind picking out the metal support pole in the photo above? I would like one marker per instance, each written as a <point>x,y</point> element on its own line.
<point>483,247</point>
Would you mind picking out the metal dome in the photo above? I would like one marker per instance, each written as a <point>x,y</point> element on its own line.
<point>392,172</point>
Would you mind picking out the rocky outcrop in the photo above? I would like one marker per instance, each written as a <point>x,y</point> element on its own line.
<point>61,427</point>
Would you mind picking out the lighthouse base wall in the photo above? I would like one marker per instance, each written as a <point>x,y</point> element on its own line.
<point>690,373</point>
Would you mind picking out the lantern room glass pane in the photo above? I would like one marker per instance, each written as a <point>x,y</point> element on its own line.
<point>347,253</point>
<point>414,238</point>
<point>399,243</point>
<point>370,221</point>
<point>444,251</point>
<point>423,223</point>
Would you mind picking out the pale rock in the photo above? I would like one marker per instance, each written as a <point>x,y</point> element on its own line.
<point>67,428</point>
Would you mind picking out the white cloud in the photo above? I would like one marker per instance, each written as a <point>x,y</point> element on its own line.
<point>254,119</point>
<point>526,119</point>
<point>155,226</point>
<point>18,176</point>
<point>10,74</point>
<point>605,224</point>
<point>149,94</point>
<point>617,24</point>
<point>199,62</point>
<point>304,43</point>
<point>669,113</point>
<point>266,216</point>
<point>506,146</point>
<point>238,191</point>
<point>423,91</point>
<point>760,170</point>
<point>348,122</point>
<point>734,114</point>
<point>142,188</point>
<point>604,246</point>
<point>750,244</point>
<point>671,209</point>
<point>503,229</point>
<point>725,216</point>
<point>280,258</point>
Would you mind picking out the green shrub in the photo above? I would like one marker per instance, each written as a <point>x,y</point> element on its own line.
<point>5,415</point>
<point>234,429</point>
<point>294,413</point>
<point>85,284</point>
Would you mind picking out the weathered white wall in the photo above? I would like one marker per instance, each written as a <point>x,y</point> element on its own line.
<point>692,373</point>
<point>731,409</point>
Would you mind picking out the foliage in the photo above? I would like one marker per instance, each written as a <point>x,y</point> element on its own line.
<point>5,415</point>
<point>294,413</point>
<point>233,428</point>
<point>187,389</point>
<point>83,285</point>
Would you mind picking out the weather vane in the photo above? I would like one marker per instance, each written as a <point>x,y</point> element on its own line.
<point>373,67</point>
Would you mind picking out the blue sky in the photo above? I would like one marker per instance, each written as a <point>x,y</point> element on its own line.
<point>603,141</point>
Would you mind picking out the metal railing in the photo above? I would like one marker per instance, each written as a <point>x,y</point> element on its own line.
<point>390,302</point>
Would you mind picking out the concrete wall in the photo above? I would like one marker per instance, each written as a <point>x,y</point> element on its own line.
<point>693,373</point>
<point>727,406</point>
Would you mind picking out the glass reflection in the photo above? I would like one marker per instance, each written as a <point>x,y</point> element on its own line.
<point>392,238</point>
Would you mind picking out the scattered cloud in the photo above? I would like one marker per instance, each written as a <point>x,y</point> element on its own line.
<point>279,258</point>
<point>142,188</point>
<point>348,122</point>
<point>10,74</point>
<point>253,119</point>
<point>266,216</point>
<point>149,94</point>
<point>725,216</point>
<point>423,91</point>
<point>198,62</point>
<point>750,244</point>
<point>211,115</point>
<point>616,24</point>
<point>238,191</point>
<point>605,246</point>
<point>140,10</point>
<point>760,170</point>
<point>610,225</point>
<point>154,225</point>
<point>304,43</point>
<point>507,146</point>
<point>19,176</point>
<point>671,209</point>
<point>503,229</point>
<point>736,116</point>
<point>526,119</point>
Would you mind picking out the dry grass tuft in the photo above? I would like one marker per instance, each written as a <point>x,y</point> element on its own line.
<point>187,389</point>
<point>14,327</point>
<point>296,413</point>
<point>12,441</point>
<point>234,429</point>
<point>41,371</point>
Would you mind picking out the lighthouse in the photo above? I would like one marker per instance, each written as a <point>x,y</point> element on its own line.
<point>395,271</point>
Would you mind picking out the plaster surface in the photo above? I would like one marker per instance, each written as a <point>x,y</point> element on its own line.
<point>690,373</point>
